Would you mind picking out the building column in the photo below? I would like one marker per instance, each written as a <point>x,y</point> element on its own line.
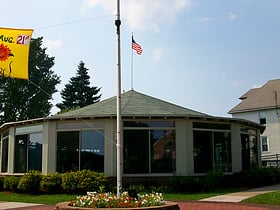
<point>236,148</point>
<point>184,148</point>
<point>49,147</point>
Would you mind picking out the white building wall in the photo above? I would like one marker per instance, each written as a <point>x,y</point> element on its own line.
<point>272,130</point>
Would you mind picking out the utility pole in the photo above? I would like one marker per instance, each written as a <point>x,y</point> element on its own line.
<point>119,119</point>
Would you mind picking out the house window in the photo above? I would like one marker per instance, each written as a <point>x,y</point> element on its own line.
<point>78,150</point>
<point>262,116</point>
<point>149,147</point>
<point>264,142</point>
<point>28,152</point>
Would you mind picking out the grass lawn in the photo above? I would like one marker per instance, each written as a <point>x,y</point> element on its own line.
<point>53,199</point>
<point>268,198</point>
<point>41,199</point>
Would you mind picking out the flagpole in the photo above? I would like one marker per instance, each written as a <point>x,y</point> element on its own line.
<point>131,73</point>
<point>118,68</point>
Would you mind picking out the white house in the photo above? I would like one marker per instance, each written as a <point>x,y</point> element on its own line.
<point>261,105</point>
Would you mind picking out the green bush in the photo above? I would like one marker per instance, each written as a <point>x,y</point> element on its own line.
<point>83,181</point>
<point>259,176</point>
<point>185,184</point>
<point>30,182</point>
<point>68,182</point>
<point>51,183</point>
<point>2,183</point>
<point>11,183</point>
<point>213,180</point>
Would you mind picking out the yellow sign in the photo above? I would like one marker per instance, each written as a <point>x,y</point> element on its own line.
<point>14,52</point>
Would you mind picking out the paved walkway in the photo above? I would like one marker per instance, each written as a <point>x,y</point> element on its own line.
<point>222,202</point>
<point>239,196</point>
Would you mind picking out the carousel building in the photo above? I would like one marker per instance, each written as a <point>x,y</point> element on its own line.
<point>158,139</point>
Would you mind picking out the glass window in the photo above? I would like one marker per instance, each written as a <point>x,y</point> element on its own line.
<point>78,150</point>
<point>136,151</point>
<point>264,144</point>
<point>21,145</point>
<point>212,151</point>
<point>222,151</point>
<point>92,150</point>
<point>202,151</point>
<point>163,151</point>
<point>67,151</point>
<point>5,147</point>
<point>35,151</point>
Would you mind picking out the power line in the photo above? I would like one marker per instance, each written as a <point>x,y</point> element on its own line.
<point>74,22</point>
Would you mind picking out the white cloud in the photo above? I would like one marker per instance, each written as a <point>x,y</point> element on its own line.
<point>52,44</point>
<point>231,16</point>
<point>143,14</point>
<point>157,54</point>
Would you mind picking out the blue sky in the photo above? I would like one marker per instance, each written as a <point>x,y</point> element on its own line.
<point>199,54</point>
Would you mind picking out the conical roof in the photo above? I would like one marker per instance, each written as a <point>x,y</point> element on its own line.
<point>133,104</point>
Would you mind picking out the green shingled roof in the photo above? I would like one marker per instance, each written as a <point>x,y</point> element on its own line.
<point>133,104</point>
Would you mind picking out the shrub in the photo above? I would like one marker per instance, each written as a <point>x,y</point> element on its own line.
<point>140,188</point>
<point>30,182</point>
<point>259,176</point>
<point>83,181</point>
<point>2,183</point>
<point>187,184</point>
<point>68,182</point>
<point>213,180</point>
<point>51,183</point>
<point>11,183</point>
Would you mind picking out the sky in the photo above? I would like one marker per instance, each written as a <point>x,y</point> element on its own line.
<point>199,54</point>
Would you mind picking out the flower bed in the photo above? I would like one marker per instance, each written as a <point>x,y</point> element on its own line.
<point>110,200</point>
<point>95,200</point>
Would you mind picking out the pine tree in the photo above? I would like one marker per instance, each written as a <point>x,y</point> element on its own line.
<point>78,92</point>
<point>28,99</point>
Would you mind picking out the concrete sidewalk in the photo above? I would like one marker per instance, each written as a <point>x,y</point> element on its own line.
<point>239,196</point>
<point>14,205</point>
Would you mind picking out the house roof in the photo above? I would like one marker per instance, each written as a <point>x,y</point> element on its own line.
<point>265,97</point>
<point>133,104</point>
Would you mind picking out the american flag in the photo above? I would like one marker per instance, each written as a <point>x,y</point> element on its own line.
<point>136,47</point>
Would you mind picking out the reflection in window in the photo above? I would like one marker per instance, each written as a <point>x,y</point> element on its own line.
<point>149,147</point>
<point>92,151</point>
<point>202,151</point>
<point>136,151</point>
<point>78,150</point>
<point>212,151</point>
<point>20,164</point>
<point>163,151</point>
<point>35,151</point>
<point>28,152</point>
<point>67,151</point>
